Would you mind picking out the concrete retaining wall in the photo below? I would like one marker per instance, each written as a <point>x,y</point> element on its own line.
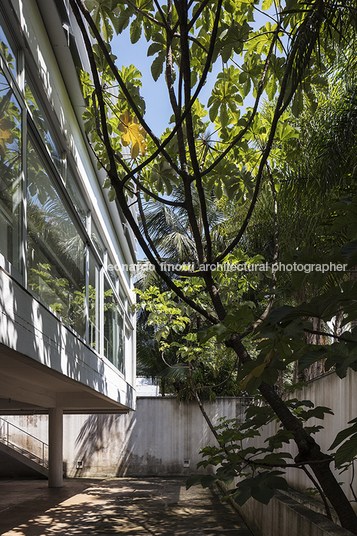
<point>340,396</point>
<point>162,437</point>
<point>284,516</point>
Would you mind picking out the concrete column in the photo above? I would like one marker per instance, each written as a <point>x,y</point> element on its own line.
<point>55,447</point>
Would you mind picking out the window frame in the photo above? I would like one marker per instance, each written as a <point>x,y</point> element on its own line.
<point>26,68</point>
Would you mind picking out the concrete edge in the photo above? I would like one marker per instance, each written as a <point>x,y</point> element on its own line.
<point>318,522</point>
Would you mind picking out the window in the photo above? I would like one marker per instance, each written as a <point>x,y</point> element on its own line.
<point>76,196</point>
<point>7,50</point>
<point>113,328</point>
<point>112,271</point>
<point>43,126</point>
<point>97,241</point>
<point>65,267</point>
<point>94,301</point>
<point>10,175</point>
<point>55,250</point>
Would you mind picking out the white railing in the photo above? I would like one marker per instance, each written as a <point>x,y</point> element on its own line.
<point>15,437</point>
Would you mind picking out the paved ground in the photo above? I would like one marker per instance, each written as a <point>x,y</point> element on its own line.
<point>150,506</point>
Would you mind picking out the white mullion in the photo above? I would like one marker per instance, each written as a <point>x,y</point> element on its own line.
<point>21,83</point>
<point>100,311</point>
<point>86,306</point>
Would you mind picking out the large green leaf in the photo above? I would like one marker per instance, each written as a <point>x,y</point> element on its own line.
<point>157,65</point>
<point>346,452</point>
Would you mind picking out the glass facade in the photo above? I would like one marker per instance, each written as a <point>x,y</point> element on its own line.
<point>43,126</point>
<point>7,50</point>
<point>55,250</point>
<point>93,302</point>
<point>76,196</point>
<point>113,272</point>
<point>113,328</point>
<point>10,175</point>
<point>97,241</point>
<point>40,234</point>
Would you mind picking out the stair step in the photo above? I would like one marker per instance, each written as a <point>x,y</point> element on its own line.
<point>4,439</point>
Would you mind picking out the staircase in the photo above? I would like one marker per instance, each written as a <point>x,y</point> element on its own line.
<point>12,441</point>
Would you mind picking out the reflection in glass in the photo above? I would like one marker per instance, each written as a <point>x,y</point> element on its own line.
<point>122,296</point>
<point>113,328</point>
<point>76,196</point>
<point>7,50</point>
<point>55,250</point>
<point>42,123</point>
<point>97,241</point>
<point>10,175</point>
<point>93,292</point>
<point>112,271</point>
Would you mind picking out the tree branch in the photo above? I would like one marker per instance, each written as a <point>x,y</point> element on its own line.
<point>161,147</point>
<point>146,15</point>
<point>186,71</point>
<point>157,197</point>
<point>143,222</point>
<point>162,15</point>
<point>279,110</point>
<point>323,334</point>
<point>255,109</point>
<point>134,226</point>
<point>316,484</point>
<point>96,80</point>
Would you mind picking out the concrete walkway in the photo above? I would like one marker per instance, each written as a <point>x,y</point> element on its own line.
<point>134,506</point>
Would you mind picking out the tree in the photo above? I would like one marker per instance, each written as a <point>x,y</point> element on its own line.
<point>322,161</point>
<point>169,229</point>
<point>282,58</point>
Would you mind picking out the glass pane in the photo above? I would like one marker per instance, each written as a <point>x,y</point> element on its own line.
<point>93,302</point>
<point>122,296</point>
<point>76,196</point>
<point>7,50</point>
<point>99,246</point>
<point>55,250</point>
<point>113,328</point>
<point>43,126</point>
<point>112,272</point>
<point>10,175</point>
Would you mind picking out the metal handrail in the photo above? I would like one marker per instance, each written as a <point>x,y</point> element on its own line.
<point>5,438</point>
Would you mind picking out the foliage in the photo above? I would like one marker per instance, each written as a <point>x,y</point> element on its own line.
<point>247,156</point>
<point>254,467</point>
<point>167,342</point>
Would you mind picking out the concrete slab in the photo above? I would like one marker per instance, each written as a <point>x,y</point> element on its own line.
<point>138,507</point>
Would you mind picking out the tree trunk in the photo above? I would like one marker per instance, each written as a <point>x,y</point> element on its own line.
<point>309,451</point>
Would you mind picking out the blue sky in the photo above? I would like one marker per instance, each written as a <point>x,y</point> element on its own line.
<point>158,108</point>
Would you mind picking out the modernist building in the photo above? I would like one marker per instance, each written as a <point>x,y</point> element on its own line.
<point>67,336</point>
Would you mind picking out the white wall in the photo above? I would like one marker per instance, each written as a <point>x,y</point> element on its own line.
<point>156,439</point>
<point>340,396</point>
<point>162,433</point>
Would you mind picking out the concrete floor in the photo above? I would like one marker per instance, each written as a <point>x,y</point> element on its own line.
<point>134,506</point>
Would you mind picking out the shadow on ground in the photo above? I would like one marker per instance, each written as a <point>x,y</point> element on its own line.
<point>151,506</point>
